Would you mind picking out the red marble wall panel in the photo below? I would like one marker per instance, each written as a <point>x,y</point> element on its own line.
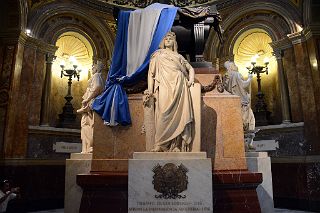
<point>308,100</point>
<point>301,190</point>
<point>36,89</point>
<point>11,75</point>
<point>18,123</point>
<point>293,85</point>
<point>314,61</point>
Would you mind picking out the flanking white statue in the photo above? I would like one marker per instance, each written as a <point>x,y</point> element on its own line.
<point>236,85</point>
<point>95,87</point>
<point>169,80</point>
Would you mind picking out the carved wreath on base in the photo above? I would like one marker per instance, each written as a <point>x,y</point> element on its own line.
<point>170,180</point>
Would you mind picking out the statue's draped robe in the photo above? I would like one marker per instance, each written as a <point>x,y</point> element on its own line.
<point>236,85</point>
<point>95,87</point>
<point>173,104</point>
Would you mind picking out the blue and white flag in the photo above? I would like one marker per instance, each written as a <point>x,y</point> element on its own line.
<point>138,36</point>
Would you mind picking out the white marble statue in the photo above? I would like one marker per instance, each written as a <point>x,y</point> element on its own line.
<point>169,80</point>
<point>236,85</point>
<point>95,87</point>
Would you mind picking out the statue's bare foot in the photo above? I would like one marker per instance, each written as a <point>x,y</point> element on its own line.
<point>156,149</point>
<point>249,148</point>
<point>176,149</point>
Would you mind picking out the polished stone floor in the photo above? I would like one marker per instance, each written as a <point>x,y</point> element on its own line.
<point>276,211</point>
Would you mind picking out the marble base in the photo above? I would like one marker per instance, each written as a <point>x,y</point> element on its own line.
<point>169,155</point>
<point>145,195</point>
<point>233,191</point>
<point>260,162</point>
<point>77,164</point>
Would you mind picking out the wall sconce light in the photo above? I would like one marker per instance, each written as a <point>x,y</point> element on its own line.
<point>28,32</point>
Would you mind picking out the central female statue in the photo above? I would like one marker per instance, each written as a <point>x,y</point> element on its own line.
<point>169,80</point>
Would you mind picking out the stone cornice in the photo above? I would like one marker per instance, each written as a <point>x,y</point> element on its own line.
<point>13,37</point>
<point>282,44</point>
<point>297,37</point>
<point>41,45</point>
<point>311,30</point>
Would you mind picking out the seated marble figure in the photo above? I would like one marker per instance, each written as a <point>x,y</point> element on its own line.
<point>170,77</point>
<point>95,87</point>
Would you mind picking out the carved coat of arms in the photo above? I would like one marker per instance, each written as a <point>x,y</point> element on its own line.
<point>170,180</point>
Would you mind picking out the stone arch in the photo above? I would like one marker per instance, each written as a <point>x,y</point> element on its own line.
<point>49,22</point>
<point>268,16</point>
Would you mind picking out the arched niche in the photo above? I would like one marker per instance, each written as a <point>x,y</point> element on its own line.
<point>253,42</point>
<point>54,20</point>
<point>269,16</point>
<point>70,44</point>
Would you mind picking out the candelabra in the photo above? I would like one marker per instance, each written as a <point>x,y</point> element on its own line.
<point>67,117</point>
<point>261,112</point>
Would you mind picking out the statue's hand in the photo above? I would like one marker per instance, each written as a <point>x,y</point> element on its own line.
<point>84,102</point>
<point>147,93</point>
<point>147,96</point>
<point>190,83</point>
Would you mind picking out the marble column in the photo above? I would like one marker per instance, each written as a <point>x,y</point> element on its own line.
<point>12,76</point>
<point>45,100</point>
<point>283,89</point>
<point>307,92</point>
<point>289,65</point>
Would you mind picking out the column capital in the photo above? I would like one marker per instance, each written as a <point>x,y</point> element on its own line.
<point>50,58</point>
<point>278,53</point>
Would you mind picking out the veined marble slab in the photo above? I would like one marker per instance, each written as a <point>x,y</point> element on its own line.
<point>77,164</point>
<point>169,155</point>
<point>145,196</point>
<point>260,162</point>
<point>265,145</point>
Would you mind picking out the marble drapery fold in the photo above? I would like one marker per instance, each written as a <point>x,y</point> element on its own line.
<point>173,106</point>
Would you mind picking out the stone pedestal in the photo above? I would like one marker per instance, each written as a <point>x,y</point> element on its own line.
<point>260,162</point>
<point>187,178</point>
<point>77,164</point>
<point>106,187</point>
<point>221,131</point>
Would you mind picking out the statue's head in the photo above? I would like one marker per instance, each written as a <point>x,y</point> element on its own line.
<point>230,66</point>
<point>169,41</point>
<point>97,67</point>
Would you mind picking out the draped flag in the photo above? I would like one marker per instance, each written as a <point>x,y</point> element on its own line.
<point>139,34</point>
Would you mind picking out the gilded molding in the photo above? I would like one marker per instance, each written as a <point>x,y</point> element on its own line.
<point>145,3</point>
